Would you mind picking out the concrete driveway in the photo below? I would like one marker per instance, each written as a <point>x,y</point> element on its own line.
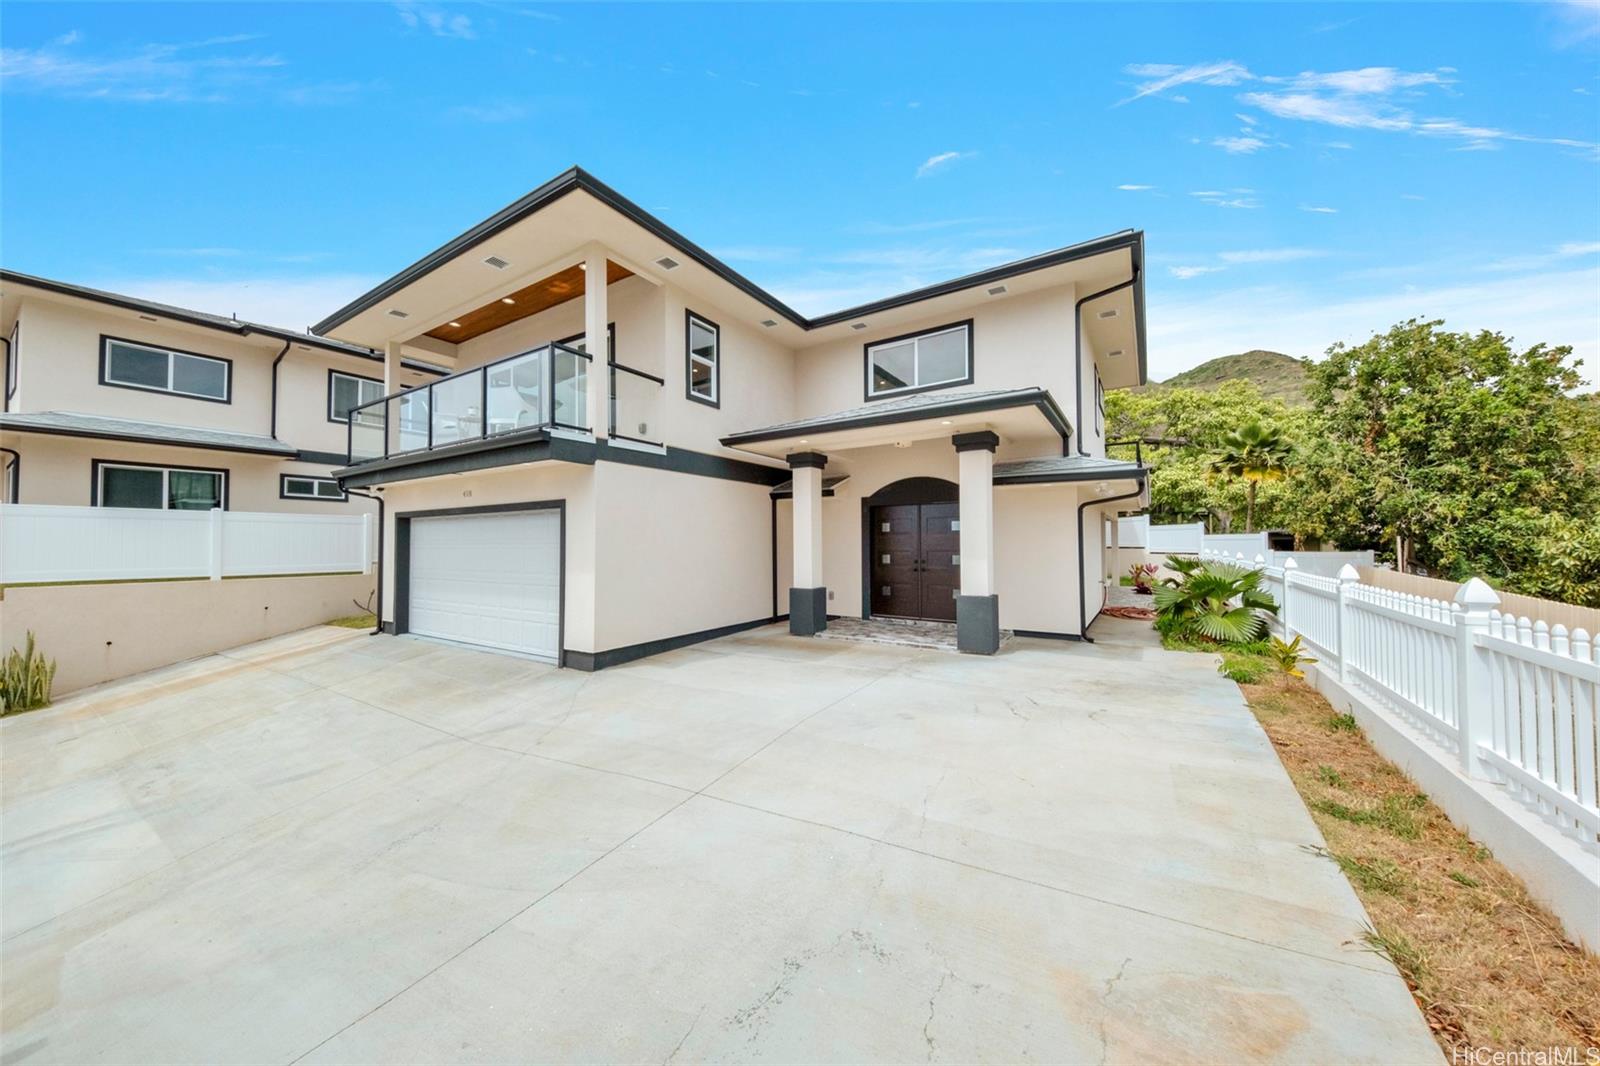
<point>339,848</point>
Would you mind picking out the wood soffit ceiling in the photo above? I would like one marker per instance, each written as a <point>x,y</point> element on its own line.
<point>542,295</point>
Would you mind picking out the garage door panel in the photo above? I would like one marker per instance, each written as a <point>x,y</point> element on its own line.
<point>489,579</point>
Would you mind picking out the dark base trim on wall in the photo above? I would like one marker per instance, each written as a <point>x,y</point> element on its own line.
<point>387,627</point>
<point>599,660</point>
<point>1045,634</point>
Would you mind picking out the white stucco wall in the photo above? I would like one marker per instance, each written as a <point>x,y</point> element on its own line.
<point>1017,342</point>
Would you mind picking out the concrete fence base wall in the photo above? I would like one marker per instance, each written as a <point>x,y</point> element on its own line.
<point>1559,872</point>
<point>102,632</point>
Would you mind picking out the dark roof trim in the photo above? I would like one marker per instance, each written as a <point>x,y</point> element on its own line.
<point>160,442</point>
<point>202,319</point>
<point>1102,474</point>
<point>577,179</point>
<point>1034,397</point>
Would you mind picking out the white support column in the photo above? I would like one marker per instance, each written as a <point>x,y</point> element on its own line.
<point>808,597</point>
<point>391,368</point>
<point>596,342</point>
<point>977,608</point>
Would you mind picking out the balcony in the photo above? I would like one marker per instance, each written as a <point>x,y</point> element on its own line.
<point>546,388</point>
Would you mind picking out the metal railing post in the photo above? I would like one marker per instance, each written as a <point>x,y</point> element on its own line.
<point>1474,727</point>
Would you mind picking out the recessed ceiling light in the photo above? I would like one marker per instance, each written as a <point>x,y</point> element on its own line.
<point>769,322</point>
<point>507,300</point>
<point>395,312</point>
<point>805,442</point>
<point>455,325</point>
<point>1113,353</point>
<point>583,266</point>
<point>946,422</point>
<point>1108,314</point>
<point>998,290</point>
<point>496,262</point>
<point>666,262</point>
<point>858,325</point>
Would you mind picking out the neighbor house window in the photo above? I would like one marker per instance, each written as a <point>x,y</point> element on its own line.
<point>704,368</point>
<point>296,487</point>
<point>347,391</point>
<point>919,361</point>
<point>141,366</point>
<point>170,488</point>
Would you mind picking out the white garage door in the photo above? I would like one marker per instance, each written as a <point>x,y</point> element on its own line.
<point>489,579</point>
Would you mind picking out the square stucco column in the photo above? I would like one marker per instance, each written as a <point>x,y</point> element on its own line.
<point>977,606</point>
<point>596,341</point>
<point>391,385</point>
<point>808,597</point>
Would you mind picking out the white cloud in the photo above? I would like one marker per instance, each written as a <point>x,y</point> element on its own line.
<point>1380,81</point>
<point>435,20</point>
<point>1135,188</point>
<point>1411,196</point>
<point>1541,260</point>
<point>1184,273</point>
<point>1270,255</point>
<point>1239,145</point>
<point>1316,210</point>
<point>68,38</point>
<point>1163,76</point>
<point>1187,329</point>
<point>290,303</point>
<point>941,162</point>
<point>1217,198</point>
<point>206,71</point>
<point>1343,146</point>
<point>1248,120</point>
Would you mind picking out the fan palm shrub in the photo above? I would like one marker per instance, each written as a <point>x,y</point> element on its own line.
<point>1214,601</point>
<point>1257,453</point>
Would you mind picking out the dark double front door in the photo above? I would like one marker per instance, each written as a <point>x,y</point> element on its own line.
<point>916,560</point>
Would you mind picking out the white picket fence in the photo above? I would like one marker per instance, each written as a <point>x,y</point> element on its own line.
<point>1516,702</point>
<point>40,544</point>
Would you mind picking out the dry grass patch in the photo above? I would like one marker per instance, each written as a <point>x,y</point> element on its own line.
<point>1489,966</point>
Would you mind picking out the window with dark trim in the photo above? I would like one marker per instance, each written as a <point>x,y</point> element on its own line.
<point>131,365</point>
<point>307,487</point>
<point>930,359</point>
<point>702,355</point>
<point>1099,405</point>
<point>11,360</point>
<point>346,391</point>
<point>162,488</point>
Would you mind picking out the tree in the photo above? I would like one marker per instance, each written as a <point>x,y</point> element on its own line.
<point>1256,453</point>
<point>1470,456</point>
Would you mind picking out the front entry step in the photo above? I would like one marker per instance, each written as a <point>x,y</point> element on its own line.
<point>907,632</point>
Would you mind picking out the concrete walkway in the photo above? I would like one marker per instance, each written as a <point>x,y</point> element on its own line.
<point>339,848</point>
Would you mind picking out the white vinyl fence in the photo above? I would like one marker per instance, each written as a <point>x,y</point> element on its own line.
<point>1514,701</point>
<point>41,543</point>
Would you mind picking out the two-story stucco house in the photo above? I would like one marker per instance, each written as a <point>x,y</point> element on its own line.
<point>637,448</point>
<point>113,401</point>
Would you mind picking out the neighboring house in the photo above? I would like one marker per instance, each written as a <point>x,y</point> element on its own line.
<point>112,401</point>
<point>725,461</point>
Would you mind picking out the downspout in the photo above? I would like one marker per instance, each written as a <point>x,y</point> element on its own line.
<point>275,362</point>
<point>1083,607</point>
<point>1077,362</point>
<point>16,465</point>
<point>378,613</point>
<point>5,386</point>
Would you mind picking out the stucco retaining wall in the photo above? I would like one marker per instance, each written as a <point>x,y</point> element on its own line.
<point>102,632</point>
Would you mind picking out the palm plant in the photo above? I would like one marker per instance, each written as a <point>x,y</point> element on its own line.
<point>1215,601</point>
<point>1257,453</point>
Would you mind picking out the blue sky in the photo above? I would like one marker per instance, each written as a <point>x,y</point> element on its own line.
<point>1304,173</point>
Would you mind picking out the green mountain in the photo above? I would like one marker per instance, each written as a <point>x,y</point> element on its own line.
<point>1277,375</point>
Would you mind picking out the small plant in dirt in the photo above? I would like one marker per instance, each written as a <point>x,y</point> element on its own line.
<point>25,679</point>
<point>1289,658</point>
<point>1342,723</point>
<point>1143,576</point>
<point>1244,667</point>
<point>1217,602</point>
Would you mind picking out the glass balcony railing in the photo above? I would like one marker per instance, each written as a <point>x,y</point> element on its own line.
<point>543,388</point>
<point>635,404</point>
